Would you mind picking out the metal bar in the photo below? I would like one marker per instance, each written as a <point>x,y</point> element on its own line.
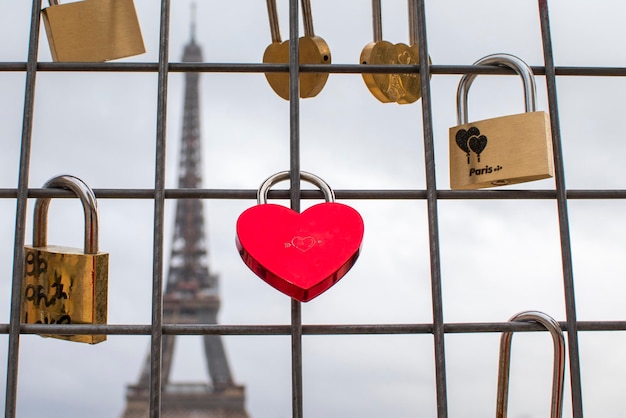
<point>332,329</point>
<point>566,249</point>
<point>433,222</point>
<point>305,68</point>
<point>295,329</point>
<point>294,195</point>
<point>367,194</point>
<point>20,215</point>
<point>156,335</point>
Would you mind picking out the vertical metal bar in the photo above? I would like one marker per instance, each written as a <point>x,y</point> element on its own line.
<point>20,214</point>
<point>433,223</point>
<point>561,197</point>
<point>156,341</point>
<point>294,167</point>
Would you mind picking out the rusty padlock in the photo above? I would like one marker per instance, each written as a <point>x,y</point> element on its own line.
<point>64,285</point>
<point>503,150</point>
<point>92,30</point>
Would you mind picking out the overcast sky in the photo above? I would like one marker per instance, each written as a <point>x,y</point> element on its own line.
<point>497,257</point>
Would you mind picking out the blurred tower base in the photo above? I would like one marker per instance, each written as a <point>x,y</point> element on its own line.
<point>189,400</point>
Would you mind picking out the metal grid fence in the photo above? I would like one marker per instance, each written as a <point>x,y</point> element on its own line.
<point>431,195</point>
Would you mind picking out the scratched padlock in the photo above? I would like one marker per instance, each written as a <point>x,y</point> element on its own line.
<point>64,285</point>
<point>503,150</point>
<point>299,254</point>
<point>92,30</point>
<point>401,88</point>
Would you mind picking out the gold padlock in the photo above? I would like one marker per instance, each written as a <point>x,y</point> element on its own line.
<point>312,50</point>
<point>503,150</point>
<point>64,285</point>
<point>92,30</point>
<point>389,87</point>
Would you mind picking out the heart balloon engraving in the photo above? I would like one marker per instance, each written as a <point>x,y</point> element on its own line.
<point>300,254</point>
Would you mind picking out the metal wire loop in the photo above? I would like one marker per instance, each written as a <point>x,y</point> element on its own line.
<point>329,194</point>
<point>505,60</point>
<point>558,374</point>
<point>88,200</point>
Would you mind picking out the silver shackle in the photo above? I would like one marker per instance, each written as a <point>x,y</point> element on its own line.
<point>90,207</point>
<point>558,373</point>
<point>261,196</point>
<point>503,60</point>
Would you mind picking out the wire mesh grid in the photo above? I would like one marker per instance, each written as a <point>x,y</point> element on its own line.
<point>432,203</point>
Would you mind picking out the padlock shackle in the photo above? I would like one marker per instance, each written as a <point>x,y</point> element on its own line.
<point>307,18</point>
<point>377,21</point>
<point>412,6</point>
<point>503,60</point>
<point>272,14</point>
<point>558,374</point>
<point>261,196</point>
<point>88,200</point>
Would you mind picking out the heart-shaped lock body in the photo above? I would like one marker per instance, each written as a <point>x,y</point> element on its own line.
<point>300,254</point>
<point>401,88</point>
<point>371,81</point>
<point>398,88</point>
<point>312,50</point>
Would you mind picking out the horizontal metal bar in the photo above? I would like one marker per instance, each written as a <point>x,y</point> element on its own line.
<point>305,68</point>
<point>390,194</point>
<point>334,329</point>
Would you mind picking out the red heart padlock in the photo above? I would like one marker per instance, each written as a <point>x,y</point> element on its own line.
<point>299,254</point>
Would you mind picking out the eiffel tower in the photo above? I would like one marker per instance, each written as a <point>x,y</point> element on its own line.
<point>191,295</point>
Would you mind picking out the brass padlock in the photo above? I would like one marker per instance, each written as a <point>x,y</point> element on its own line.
<point>401,88</point>
<point>558,368</point>
<point>66,285</point>
<point>312,50</point>
<point>92,30</point>
<point>503,150</point>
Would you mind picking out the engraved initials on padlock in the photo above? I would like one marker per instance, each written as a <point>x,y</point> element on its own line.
<point>66,285</point>
<point>92,30</point>
<point>504,150</point>
<point>312,50</point>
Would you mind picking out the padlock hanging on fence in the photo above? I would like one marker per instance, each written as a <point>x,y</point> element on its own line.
<point>558,364</point>
<point>503,150</point>
<point>63,285</point>
<point>312,50</point>
<point>92,30</point>
<point>299,254</point>
<point>401,88</point>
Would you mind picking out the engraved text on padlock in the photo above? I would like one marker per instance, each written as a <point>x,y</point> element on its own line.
<point>64,285</point>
